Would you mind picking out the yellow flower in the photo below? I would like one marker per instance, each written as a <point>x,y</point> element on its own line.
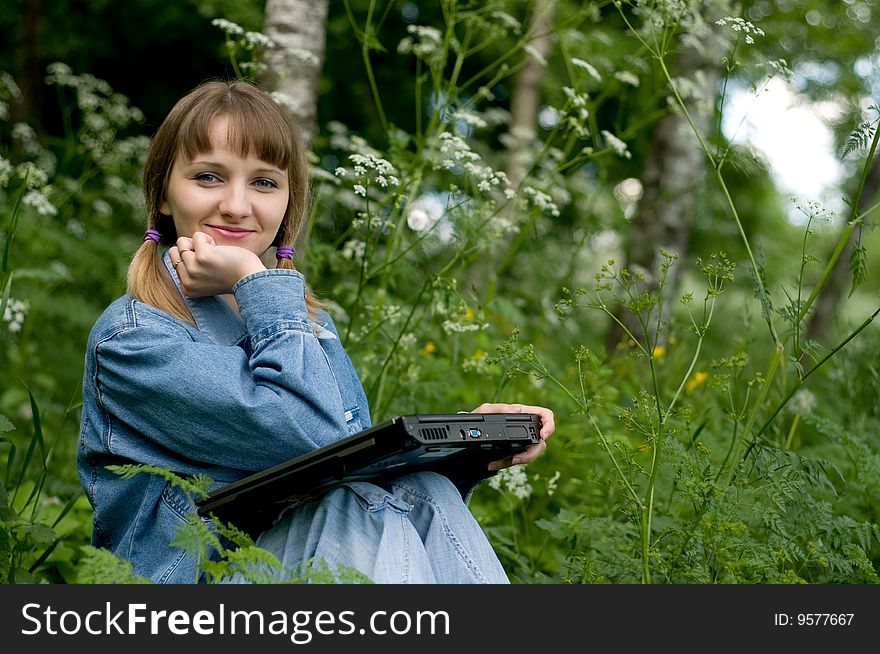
<point>469,314</point>
<point>658,351</point>
<point>696,380</point>
<point>643,448</point>
<point>429,348</point>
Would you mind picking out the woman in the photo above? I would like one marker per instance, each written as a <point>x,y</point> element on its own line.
<point>215,364</point>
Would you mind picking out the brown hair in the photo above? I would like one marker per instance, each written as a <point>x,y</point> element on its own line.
<point>256,125</point>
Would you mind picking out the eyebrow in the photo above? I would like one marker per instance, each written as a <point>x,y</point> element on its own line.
<point>216,164</point>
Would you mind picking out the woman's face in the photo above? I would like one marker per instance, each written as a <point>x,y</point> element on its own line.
<point>237,201</point>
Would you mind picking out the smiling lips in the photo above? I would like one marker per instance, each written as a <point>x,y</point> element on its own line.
<point>232,233</point>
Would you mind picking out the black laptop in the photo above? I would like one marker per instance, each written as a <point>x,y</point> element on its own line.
<point>450,443</point>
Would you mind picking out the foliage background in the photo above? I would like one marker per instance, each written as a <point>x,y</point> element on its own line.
<point>686,454</point>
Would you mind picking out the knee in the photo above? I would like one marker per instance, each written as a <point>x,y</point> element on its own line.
<point>431,485</point>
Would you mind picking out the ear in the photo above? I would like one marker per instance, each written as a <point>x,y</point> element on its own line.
<point>164,207</point>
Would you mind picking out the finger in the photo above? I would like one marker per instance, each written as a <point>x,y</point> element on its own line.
<point>174,255</point>
<point>498,408</point>
<point>184,243</point>
<point>530,454</point>
<point>501,463</point>
<point>526,456</point>
<point>548,421</point>
<point>201,240</point>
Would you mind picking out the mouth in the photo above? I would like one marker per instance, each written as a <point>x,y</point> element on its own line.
<point>231,233</point>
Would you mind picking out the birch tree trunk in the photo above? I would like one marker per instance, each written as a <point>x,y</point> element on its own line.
<point>673,178</point>
<point>524,102</point>
<point>299,30</point>
<point>526,95</point>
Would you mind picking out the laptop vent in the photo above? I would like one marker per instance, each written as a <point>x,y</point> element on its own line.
<point>434,433</point>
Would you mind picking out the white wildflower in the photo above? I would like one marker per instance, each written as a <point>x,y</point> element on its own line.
<point>740,26</point>
<point>627,77</point>
<point>26,136</point>
<point>453,327</point>
<point>360,190</point>
<point>533,52</point>
<point>353,250</point>
<point>470,118</point>
<point>34,176</point>
<point>15,313</point>
<point>553,482</point>
<point>60,269</point>
<point>228,26</point>
<point>580,63</point>
<point>507,20</point>
<point>6,170</point>
<point>340,172</point>
<point>803,401</point>
<point>514,480</point>
<point>304,56</point>
<point>495,116</point>
<point>542,201</point>
<point>424,42</point>
<point>476,364</point>
<point>779,68</point>
<point>605,241</point>
<point>102,207</point>
<point>407,341</point>
<point>258,39</point>
<point>76,228</point>
<point>616,144</point>
<point>372,162</point>
<point>577,100</point>
<point>7,83</point>
<point>38,200</point>
<point>285,101</point>
<point>425,32</point>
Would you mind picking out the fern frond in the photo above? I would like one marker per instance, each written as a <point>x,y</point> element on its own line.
<point>858,266</point>
<point>196,486</point>
<point>100,566</point>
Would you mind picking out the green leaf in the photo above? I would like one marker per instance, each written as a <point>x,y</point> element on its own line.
<point>99,566</point>
<point>858,266</point>
<point>37,533</point>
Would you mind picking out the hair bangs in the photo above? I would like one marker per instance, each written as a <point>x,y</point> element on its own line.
<point>255,127</point>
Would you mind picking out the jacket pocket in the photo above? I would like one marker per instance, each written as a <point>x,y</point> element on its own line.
<point>174,565</point>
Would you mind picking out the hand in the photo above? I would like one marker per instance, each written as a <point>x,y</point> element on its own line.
<point>532,452</point>
<point>206,268</point>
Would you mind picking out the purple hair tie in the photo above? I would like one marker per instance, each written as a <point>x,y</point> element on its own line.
<point>152,235</point>
<point>285,252</point>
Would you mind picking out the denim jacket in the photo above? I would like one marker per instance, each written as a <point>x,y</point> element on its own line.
<point>237,394</point>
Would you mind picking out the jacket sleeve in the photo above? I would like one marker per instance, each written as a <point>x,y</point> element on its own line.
<point>215,405</point>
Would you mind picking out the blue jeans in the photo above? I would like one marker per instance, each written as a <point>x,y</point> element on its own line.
<point>417,531</point>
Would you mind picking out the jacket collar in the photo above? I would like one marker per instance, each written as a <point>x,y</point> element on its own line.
<point>213,315</point>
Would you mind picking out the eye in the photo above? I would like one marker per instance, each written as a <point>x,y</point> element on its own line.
<point>265,184</point>
<point>206,178</point>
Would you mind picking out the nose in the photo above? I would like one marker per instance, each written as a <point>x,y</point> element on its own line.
<point>235,203</point>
